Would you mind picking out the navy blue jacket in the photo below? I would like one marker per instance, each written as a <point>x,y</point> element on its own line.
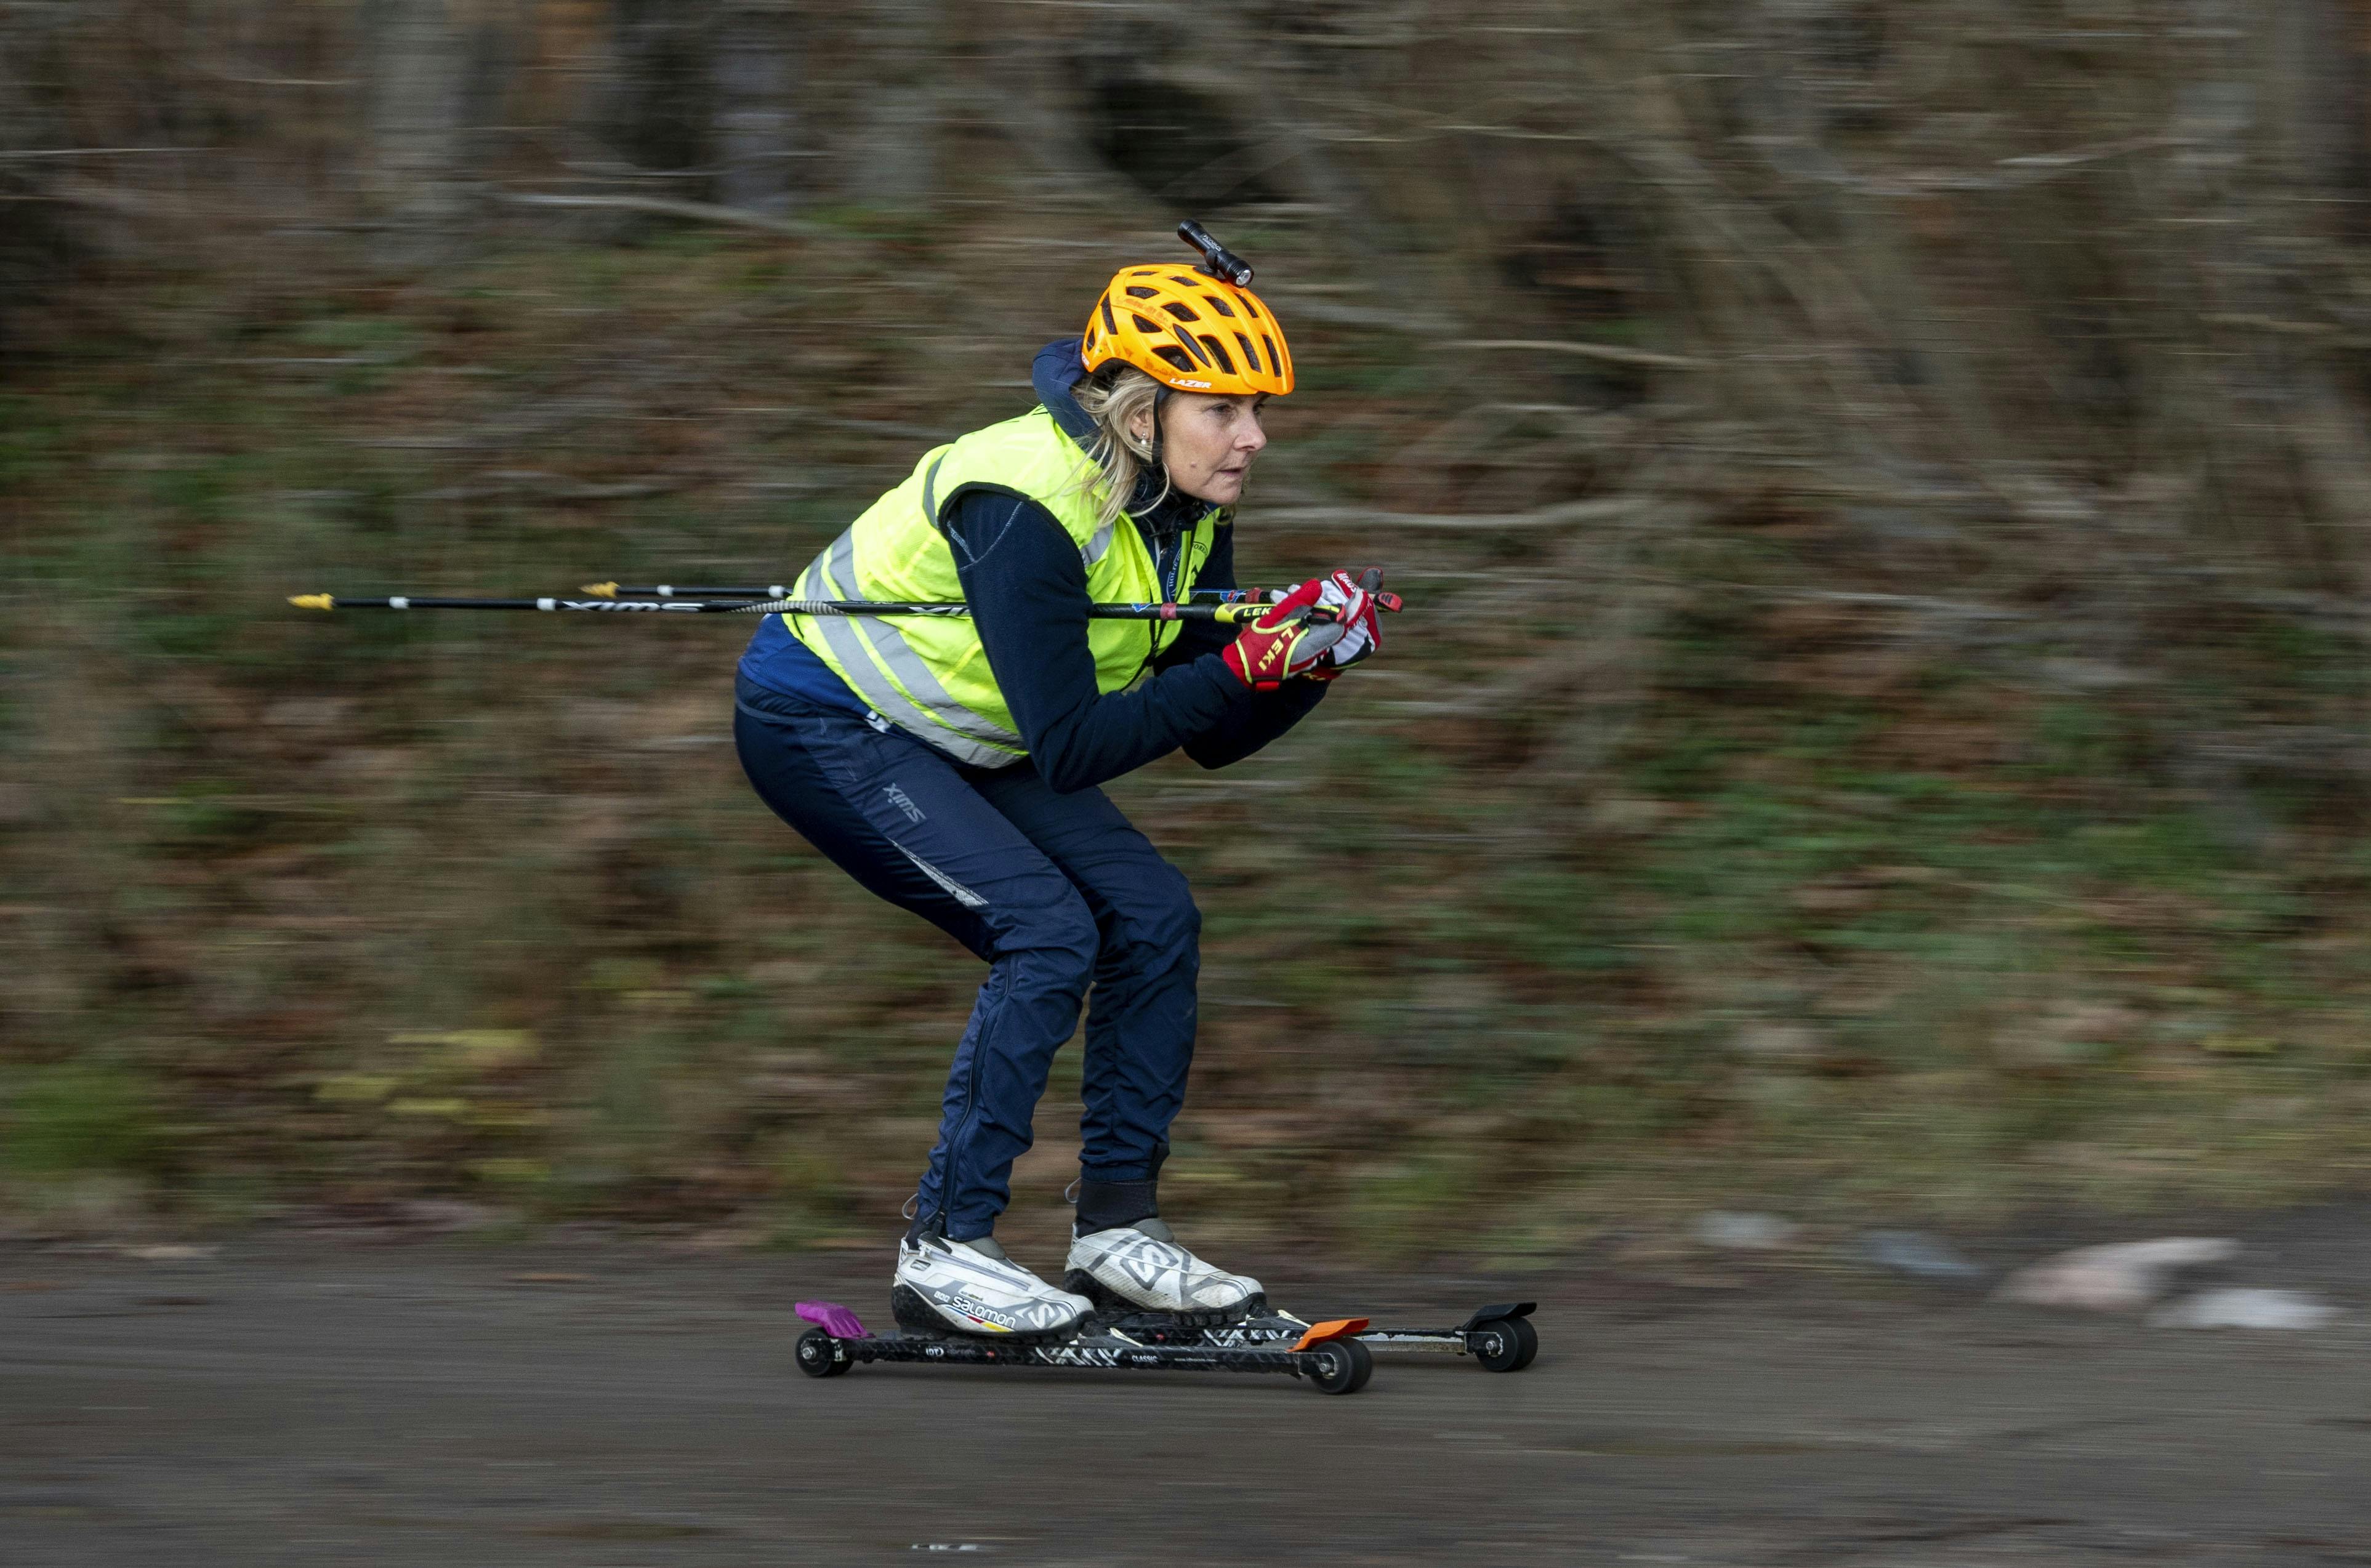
<point>1028,588</point>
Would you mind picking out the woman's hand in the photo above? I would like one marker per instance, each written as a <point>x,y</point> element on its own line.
<point>1284,641</point>
<point>1355,606</point>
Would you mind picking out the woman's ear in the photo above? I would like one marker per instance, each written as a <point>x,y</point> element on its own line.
<point>1140,427</point>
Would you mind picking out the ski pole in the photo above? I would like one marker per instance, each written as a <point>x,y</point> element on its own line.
<point>1228,614</point>
<point>669,591</point>
<point>1390,602</point>
<point>778,591</point>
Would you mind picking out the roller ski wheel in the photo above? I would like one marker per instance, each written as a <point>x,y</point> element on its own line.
<point>1339,1366</point>
<point>822,1355</point>
<point>1503,1344</point>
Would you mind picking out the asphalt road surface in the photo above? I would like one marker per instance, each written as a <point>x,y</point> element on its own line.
<point>292,1401</point>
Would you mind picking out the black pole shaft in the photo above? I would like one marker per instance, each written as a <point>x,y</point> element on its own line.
<point>1228,613</point>
<point>676,591</point>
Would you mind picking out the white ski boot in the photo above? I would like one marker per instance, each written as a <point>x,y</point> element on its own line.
<point>1141,1265</point>
<point>971,1288</point>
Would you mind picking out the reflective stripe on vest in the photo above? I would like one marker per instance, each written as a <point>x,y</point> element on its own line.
<point>900,687</point>
<point>931,676</point>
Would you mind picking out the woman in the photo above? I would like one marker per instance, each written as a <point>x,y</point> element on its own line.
<point>950,765</point>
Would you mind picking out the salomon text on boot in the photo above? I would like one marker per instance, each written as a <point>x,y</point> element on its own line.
<point>971,1288</point>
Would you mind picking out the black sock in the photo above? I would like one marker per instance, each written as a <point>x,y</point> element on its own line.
<point>1108,1205</point>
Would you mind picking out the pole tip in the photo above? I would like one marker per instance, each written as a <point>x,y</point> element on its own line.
<point>312,601</point>
<point>602,590</point>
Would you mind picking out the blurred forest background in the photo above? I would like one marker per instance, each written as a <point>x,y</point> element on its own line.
<point>1880,488</point>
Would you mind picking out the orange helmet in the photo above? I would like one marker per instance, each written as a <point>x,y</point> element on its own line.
<point>1190,330</point>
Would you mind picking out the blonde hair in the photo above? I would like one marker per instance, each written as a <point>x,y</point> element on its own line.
<point>1113,397</point>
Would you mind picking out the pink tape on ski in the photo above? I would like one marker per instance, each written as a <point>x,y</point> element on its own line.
<point>833,1318</point>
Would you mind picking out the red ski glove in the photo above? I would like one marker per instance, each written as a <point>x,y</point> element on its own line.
<point>1356,606</point>
<point>1283,641</point>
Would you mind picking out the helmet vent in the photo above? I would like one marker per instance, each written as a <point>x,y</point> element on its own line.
<point>1251,354</point>
<point>1175,356</point>
<point>1277,363</point>
<point>1220,305</point>
<point>1183,312</point>
<point>1225,362</point>
<point>1138,291</point>
<point>1142,324</point>
<point>1111,323</point>
<point>1250,310</point>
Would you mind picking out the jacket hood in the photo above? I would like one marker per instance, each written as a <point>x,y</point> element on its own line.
<point>1056,373</point>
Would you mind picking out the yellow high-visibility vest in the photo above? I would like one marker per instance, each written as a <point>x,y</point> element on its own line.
<point>929,674</point>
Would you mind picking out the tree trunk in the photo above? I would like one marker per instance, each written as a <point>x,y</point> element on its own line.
<point>29,239</point>
<point>495,35</point>
<point>414,57</point>
<point>894,162</point>
<point>756,55</point>
<point>664,104</point>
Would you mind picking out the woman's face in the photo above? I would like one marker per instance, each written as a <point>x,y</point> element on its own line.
<point>1209,442</point>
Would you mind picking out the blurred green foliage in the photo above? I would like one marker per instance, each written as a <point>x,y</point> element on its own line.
<point>80,1118</point>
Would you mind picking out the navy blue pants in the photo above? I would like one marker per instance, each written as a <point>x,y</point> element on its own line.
<point>1054,891</point>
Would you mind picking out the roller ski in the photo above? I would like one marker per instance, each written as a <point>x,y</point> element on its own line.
<point>1146,1285</point>
<point>1132,1299</point>
<point>1328,1356</point>
<point>1333,1354</point>
<point>1499,1337</point>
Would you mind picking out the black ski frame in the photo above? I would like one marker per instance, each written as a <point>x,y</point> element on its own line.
<point>1269,1327</point>
<point>1089,1351</point>
<point>839,1334</point>
<point>1144,1342</point>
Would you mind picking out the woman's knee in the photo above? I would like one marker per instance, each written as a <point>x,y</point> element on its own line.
<point>1059,932</point>
<point>1158,917</point>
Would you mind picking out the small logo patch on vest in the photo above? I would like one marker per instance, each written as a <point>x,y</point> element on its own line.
<point>904,803</point>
